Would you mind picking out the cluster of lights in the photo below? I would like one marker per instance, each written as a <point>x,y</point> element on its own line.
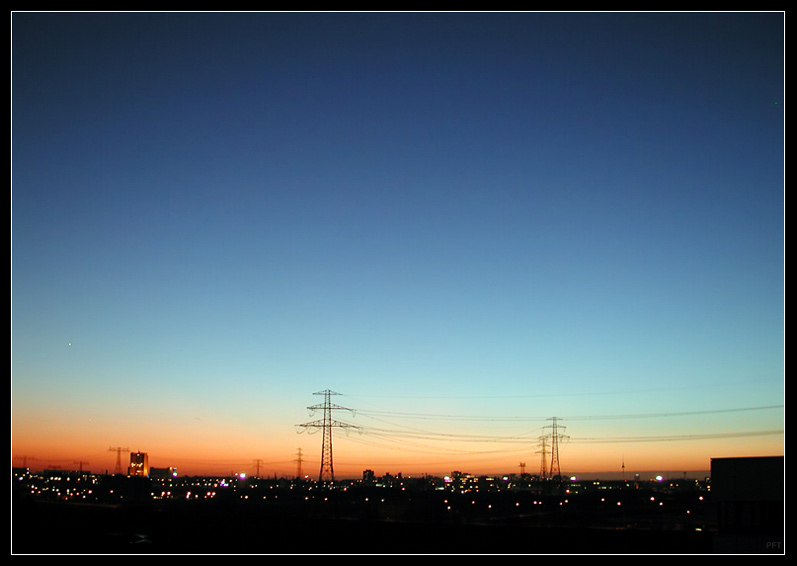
<point>210,488</point>
<point>208,495</point>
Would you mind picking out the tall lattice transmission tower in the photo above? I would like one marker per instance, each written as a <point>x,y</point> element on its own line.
<point>118,449</point>
<point>556,438</point>
<point>326,424</point>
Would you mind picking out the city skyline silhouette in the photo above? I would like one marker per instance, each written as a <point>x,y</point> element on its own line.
<point>487,455</point>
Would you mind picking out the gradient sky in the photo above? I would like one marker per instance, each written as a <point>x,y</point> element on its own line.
<point>464,223</point>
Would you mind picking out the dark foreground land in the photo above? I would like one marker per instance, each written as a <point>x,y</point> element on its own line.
<point>231,528</point>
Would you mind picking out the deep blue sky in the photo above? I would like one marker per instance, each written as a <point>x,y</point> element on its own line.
<point>396,205</point>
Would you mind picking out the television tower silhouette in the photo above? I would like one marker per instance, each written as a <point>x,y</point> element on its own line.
<point>556,436</point>
<point>326,424</point>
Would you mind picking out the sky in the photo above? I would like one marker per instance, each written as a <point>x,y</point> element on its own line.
<point>469,226</point>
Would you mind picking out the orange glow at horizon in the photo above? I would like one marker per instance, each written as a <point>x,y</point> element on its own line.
<point>223,441</point>
<point>227,453</point>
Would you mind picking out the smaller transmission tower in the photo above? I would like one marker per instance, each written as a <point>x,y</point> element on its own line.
<point>544,462</point>
<point>326,424</point>
<point>299,464</point>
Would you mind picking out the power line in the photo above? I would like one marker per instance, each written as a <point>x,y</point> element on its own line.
<point>400,437</point>
<point>674,438</point>
<point>476,418</point>
<point>405,443</point>
<point>674,414</point>
<point>388,434</point>
<point>446,436</point>
<point>722,384</point>
<point>405,437</point>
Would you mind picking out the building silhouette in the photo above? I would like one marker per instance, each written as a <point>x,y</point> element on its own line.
<point>139,465</point>
<point>748,495</point>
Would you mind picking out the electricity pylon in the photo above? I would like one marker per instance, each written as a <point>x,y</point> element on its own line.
<point>556,436</point>
<point>25,460</point>
<point>299,465</point>
<point>118,450</point>
<point>543,463</point>
<point>326,424</point>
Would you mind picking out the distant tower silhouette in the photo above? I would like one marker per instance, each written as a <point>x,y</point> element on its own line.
<point>118,450</point>
<point>25,460</point>
<point>556,436</point>
<point>543,460</point>
<point>522,469</point>
<point>326,424</point>
<point>299,464</point>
